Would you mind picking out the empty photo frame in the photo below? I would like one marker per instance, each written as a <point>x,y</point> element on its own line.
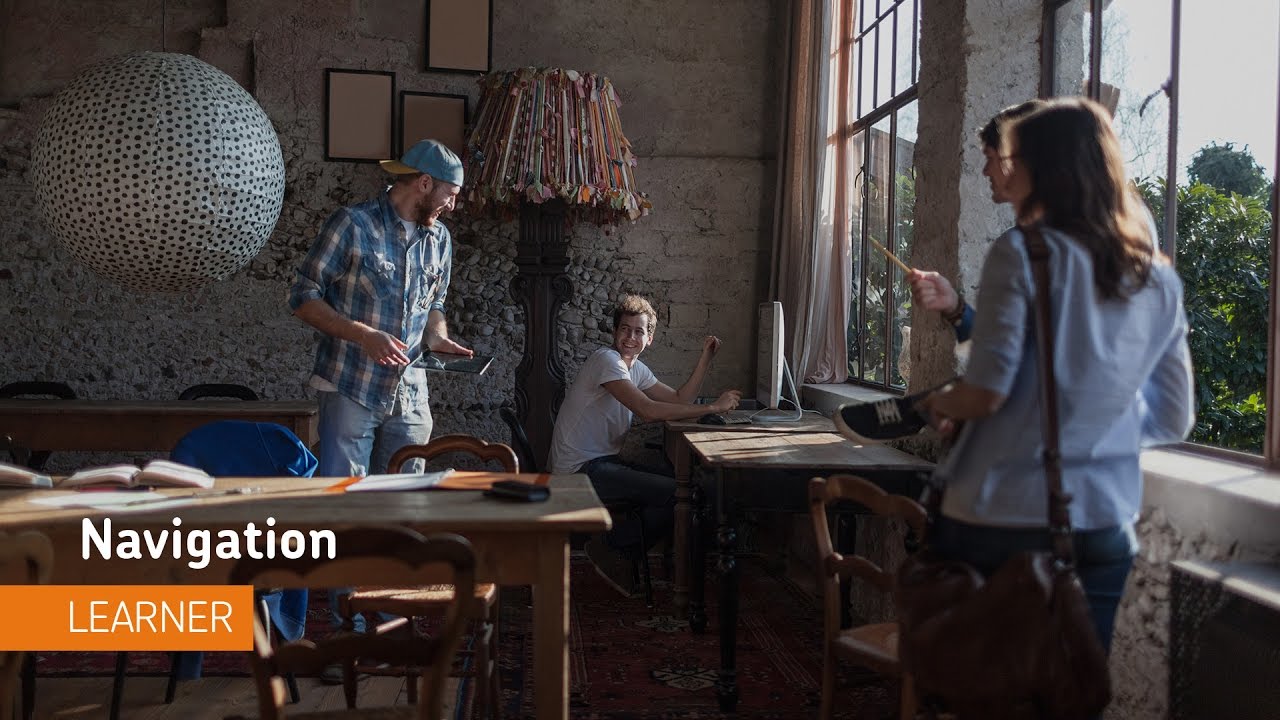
<point>437,116</point>
<point>459,35</point>
<point>358,119</point>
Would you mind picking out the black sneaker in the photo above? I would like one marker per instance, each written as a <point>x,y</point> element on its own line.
<point>612,566</point>
<point>876,422</point>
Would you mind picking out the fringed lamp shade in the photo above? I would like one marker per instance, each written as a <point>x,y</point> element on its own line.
<point>158,171</point>
<point>542,134</point>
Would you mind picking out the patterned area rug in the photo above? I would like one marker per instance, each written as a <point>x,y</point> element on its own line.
<point>628,661</point>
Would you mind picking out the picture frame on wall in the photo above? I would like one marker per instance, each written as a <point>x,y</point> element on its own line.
<point>359,115</point>
<point>459,35</point>
<point>439,116</point>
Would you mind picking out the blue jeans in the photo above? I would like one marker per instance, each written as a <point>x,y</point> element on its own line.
<point>654,489</point>
<point>1103,558</point>
<point>355,440</point>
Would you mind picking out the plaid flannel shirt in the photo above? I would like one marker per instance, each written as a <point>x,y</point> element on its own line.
<point>364,268</point>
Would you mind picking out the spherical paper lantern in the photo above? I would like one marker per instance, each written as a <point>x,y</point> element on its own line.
<point>158,171</point>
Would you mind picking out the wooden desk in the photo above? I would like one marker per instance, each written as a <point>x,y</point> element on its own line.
<point>786,461</point>
<point>680,454</point>
<point>515,543</point>
<point>136,425</point>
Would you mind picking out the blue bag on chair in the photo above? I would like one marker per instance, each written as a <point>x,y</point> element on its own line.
<point>236,448</point>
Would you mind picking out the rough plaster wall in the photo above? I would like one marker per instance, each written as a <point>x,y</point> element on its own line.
<point>699,108</point>
<point>700,111</point>
<point>976,57</point>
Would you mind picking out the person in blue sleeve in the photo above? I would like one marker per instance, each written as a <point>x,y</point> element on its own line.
<point>1122,366</point>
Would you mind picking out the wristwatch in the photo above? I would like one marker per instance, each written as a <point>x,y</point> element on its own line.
<point>955,314</point>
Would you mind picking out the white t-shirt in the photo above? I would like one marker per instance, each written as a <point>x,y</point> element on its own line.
<point>592,423</point>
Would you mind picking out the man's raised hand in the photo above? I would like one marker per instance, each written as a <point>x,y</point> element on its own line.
<point>710,345</point>
<point>932,291</point>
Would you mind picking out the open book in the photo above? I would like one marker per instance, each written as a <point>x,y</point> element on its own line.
<point>17,476</point>
<point>157,473</point>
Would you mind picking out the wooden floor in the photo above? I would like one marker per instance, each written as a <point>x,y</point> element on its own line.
<point>205,699</point>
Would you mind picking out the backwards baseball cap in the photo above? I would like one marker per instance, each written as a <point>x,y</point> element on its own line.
<point>430,157</point>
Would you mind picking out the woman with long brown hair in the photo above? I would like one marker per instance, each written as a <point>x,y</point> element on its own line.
<point>1123,370</point>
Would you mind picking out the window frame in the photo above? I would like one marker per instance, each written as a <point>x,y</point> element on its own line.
<point>1270,457</point>
<point>851,93</point>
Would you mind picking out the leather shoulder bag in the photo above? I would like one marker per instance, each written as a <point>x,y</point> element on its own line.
<point>1020,643</point>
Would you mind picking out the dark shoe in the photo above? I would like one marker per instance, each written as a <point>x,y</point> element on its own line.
<point>876,422</point>
<point>331,674</point>
<point>612,566</point>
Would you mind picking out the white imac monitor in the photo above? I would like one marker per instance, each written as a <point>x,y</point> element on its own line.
<point>773,376</point>
<point>769,356</point>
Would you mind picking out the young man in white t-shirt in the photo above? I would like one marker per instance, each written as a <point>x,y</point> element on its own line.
<point>612,386</point>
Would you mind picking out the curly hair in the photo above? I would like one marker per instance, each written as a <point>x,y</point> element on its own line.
<point>634,305</point>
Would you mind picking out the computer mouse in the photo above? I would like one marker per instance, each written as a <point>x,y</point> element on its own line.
<point>431,362</point>
<point>711,419</point>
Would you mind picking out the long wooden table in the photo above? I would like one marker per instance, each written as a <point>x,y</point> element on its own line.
<point>136,425</point>
<point>680,454</point>
<point>779,463</point>
<point>515,543</point>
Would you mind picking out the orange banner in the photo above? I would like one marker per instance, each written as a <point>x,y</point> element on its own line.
<point>126,617</point>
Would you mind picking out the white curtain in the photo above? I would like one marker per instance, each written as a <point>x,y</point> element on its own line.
<point>812,270</point>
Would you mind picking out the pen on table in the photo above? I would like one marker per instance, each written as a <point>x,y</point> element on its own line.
<point>196,495</point>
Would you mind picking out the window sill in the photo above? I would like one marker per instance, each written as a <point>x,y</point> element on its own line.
<point>827,398</point>
<point>1228,502</point>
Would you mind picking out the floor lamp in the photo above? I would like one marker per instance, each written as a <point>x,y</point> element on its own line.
<point>547,148</point>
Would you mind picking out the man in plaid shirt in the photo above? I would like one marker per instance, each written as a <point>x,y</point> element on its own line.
<point>374,283</point>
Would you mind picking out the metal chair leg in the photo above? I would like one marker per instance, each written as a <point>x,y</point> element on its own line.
<point>642,558</point>
<point>28,686</point>
<point>117,685</point>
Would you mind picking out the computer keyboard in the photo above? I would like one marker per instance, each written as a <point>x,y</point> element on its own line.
<point>737,417</point>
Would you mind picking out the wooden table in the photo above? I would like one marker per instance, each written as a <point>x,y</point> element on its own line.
<point>515,543</point>
<point>680,454</point>
<point>781,461</point>
<point>136,425</point>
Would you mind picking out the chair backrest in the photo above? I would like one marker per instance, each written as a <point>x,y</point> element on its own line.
<point>368,555</point>
<point>38,388</point>
<point>26,558</point>
<point>33,458</point>
<point>519,439</point>
<point>218,390</point>
<point>503,454</point>
<point>241,448</point>
<point>834,566</point>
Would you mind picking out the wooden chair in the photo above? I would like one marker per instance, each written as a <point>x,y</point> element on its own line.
<point>218,390</point>
<point>25,559</point>
<point>33,458</point>
<point>369,555</point>
<point>411,601</point>
<point>873,646</point>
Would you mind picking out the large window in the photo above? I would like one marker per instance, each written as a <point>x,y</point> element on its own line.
<point>1195,90</point>
<point>876,134</point>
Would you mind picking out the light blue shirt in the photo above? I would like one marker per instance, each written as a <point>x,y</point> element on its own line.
<point>1123,374</point>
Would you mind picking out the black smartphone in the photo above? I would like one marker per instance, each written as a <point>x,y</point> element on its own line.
<point>518,490</point>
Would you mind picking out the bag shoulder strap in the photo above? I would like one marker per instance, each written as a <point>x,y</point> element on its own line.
<point>1059,500</point>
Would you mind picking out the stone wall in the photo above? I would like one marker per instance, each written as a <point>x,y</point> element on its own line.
<point>699,108</point>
